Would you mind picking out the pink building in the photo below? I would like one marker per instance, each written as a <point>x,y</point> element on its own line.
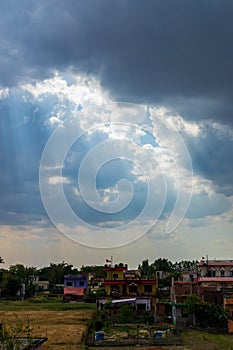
<point>216,273</point>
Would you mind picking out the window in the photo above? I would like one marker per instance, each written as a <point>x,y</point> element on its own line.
<point>115,289</point>
<point>231,274</point>
<point>115,275</point>
<point>133,289</point>
<point>148,289</point>
<point>81,284</point>
<point>191,278</point>
<point>222,273</point>
<point>212,273</point>
<point>69,284</point>
<point>141,306</point>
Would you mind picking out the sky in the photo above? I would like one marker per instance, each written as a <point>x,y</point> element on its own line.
<point>116,131</point>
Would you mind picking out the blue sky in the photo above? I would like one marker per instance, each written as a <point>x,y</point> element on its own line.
<point>115,130</point>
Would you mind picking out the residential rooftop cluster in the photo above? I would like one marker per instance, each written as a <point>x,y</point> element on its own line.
<point>161,287</point>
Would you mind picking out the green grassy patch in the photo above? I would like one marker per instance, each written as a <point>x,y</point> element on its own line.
<point>196,340</point>
<point>43,304</point>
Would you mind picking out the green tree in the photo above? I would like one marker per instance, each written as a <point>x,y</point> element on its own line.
<point>188,265</point>
<point>146,269</point>
<point>23,273</point>
<point>162,264</point>
<point>97,271</point>
<point>125,314</point>
<point>55,272</point>
<point>192,305</point>
<point>13,286</point>
<point>18,271</point>
<point>206,314</point>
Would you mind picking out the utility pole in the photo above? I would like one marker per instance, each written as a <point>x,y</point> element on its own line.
<point>1,262</point>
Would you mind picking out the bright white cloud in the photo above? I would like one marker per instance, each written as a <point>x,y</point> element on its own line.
<point>55,180</point>
<point>181,125</point>
<point>84,91</point>
<point>4,93</point>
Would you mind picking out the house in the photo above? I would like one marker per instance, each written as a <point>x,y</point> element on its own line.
<point>123,283</point>
<point>190,276</point>
<point>33,279</point>
<point>138,303</point>
<point>210,282</point>
<point>216,268</point>
<point>95,283</point>
<point>216,274</point>
<point>43,286</point>
<point>75,287</point>
<point>213,283</point>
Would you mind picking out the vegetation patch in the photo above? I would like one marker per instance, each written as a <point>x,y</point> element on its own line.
<point>64,328</point>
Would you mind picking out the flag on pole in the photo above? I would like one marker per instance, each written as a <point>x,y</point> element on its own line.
<point>107,260</point>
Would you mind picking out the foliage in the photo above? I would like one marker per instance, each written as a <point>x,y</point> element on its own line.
<point>12,287</point>
<point>167,281</point>
<point>162,264</point>
<point>22,273</point>
<point>55,273</point>
<point>192,303</point>
<point>125,314</point>
<point>97,271</point>
<point>173,270</point>
<point>146,269</point>
<point>90,297</point>
<point>9,334</point>
<point>148,317</point>
<point>206,314</point>
<point>39,304</point>
<point>98,325</point>
<point>100,293</point>
<point>186,265</point>
<point>15,277</point>
<point>108,303</point>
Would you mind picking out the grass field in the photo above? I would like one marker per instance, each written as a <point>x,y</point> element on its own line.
<point>63,324</point>
<point>34,304</point>
<point>196,340</point>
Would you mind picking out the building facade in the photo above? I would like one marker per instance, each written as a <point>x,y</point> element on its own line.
<point>75,287</point>
<point>216,273</point>
<point>123,283</point>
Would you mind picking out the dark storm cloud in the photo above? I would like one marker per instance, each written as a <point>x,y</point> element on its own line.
<point>210,153</point>
<point>175,53</point>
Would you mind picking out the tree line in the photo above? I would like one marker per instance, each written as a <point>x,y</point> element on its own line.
<point>18,275</point>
